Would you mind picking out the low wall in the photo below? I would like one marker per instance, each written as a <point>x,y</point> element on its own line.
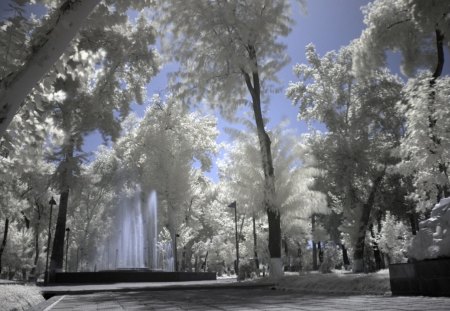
<point>120,276</point>
<point>427,278</point>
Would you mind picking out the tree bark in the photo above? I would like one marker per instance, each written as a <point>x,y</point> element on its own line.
<point>57,258</point>
<point>358,255</point>
<point>36,238</point>
<point>345,258</point>
<point>63,26</point>
<point>255,248</point>
<point>3,245</point>
<point>314,245</point>
<point>273,215</point>
<point>379,264</point>
<point>320,248</point>
<point>413,222</point>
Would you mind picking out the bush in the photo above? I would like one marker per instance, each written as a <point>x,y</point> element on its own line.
<point>245,270</point>
<point>19,297</point>
<point>331,258</point>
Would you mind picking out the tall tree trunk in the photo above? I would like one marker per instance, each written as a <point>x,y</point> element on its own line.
<point>255,248</point>
<point>36,238</point>
<point>314,245</point>
<point>320,249</point>
<point>413,222</point>
<point>62,28</point>
<point>358,254</point>
<point>273,215</point>
<point>204,264</point>
<point>376,251</point>
<point>345,258</point>
<point>57,257</point>
<point>3,245</point>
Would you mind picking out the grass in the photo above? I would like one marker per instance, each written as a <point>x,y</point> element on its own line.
<point>19,297</point>
<point>338,282</point>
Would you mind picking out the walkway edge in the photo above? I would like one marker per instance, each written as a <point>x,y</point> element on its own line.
<point>154,288</point>
<point>47,304</point>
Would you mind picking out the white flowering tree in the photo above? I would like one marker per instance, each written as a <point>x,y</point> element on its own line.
<point>363,127</point>
<point>229,53</point>
<point>419,31</point>
<point>294,180</point>
<point>159,154</point>
<point>49,40</point>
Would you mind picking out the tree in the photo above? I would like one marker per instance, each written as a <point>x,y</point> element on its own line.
<point>363,128</point>
<point>294,180</point>
<point>419,31</point>
<point>99,81</point>
<point>405,26</point>
<point>51,42</point>
<point>228,50</point>
<point>158,152</point>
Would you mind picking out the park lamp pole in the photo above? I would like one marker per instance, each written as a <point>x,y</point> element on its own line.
<point>234,205</point>
<point>67,247</point>
<point>51,202</point>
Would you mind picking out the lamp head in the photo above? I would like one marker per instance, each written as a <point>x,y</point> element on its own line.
<point>52,201</point>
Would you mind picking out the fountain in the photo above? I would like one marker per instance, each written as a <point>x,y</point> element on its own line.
<point>137,239</point>
<point>134,253</point>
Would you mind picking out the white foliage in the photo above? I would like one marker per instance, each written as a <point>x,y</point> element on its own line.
<point>424,147</point>
<point>295,176</point>
<point>405,26</point>
<point>393,239</point>
<point>213,41</point>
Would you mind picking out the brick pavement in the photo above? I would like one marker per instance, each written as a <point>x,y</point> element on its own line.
<point>242,299</point>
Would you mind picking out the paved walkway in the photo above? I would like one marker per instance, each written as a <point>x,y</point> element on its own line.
<point>239,299</point>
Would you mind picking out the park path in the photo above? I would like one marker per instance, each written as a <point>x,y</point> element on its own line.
<point>239,299</point>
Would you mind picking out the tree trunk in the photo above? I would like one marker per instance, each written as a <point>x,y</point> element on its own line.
<point>255,248</point>
<point>57,258</point>
<point>379,264</point>
<point>273,215</point>
<point>314,245</point>
<point>63,27</point>
<point>358,254</point>
<point>413,222</point>
<point>3,245</point>
<point>36,239</point>
<point>345,258</point>
<point>204,264</point>
<point>320,248</point>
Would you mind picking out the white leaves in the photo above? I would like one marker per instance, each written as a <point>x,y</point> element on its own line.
<point>401,25</point>
<point>426,143</point>
<point>212,42</point>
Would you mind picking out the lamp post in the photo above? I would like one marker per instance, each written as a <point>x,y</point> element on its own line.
<point>67,246</point>
<point>51,202</point>
<point>233,205</point>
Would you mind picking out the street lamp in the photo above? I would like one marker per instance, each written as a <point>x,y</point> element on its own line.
<point>233,205</point>
<point>51,202</point>
<point>67,246</point>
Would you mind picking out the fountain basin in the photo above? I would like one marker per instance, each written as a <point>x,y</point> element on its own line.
<point>129,275</point>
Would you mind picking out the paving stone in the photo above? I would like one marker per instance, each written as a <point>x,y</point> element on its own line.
<point>243,299</point>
